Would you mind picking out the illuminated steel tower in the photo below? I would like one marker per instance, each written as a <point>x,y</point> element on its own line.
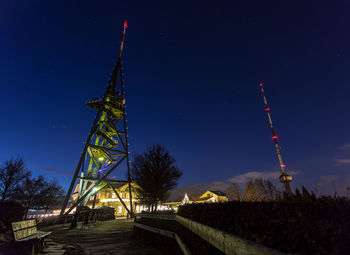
<point>284,177</point>
<point>107,144</point>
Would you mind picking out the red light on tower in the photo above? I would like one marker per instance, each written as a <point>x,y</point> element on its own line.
<point>284,178</point>
<point>125,25</point>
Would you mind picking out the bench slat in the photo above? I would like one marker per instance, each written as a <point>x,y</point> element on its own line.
<point>23,233</point>
<point>38,235</point>
<point>23,224</point>
<point>26,230</point>
<point>22,229</point>
<point>42,234</point>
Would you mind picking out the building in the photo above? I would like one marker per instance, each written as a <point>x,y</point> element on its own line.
<point>107,197</point>
<point>210,196</point>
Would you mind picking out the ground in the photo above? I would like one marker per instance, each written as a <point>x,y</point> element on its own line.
<point>108,237</point>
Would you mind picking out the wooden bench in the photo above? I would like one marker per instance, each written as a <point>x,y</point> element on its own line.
<point>26,231</point>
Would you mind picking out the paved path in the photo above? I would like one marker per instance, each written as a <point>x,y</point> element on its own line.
<point>108,237</point>
<point>52,248</point>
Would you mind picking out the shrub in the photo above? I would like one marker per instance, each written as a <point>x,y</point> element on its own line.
<point>299,224</point>
<point>11,211</point>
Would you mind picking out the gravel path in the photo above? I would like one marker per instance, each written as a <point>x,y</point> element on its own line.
<point>108,237</point>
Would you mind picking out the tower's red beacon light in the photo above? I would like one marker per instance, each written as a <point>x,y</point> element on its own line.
<point>284,178</point>
<point>125,23</point>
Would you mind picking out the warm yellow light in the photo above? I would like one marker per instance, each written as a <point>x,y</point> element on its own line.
<point>100,158</point>
<point>105,200</point>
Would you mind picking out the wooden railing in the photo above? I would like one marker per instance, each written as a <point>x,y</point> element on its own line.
<point>225,242</point>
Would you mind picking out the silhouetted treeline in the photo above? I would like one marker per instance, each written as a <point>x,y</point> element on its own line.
<point>17,183</point>
<point>302,223</point>
<point>256,189</point>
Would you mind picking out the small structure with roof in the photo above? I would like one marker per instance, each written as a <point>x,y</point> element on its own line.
<point>210,196</point>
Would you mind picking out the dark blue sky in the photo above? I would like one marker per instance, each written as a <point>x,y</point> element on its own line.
<point>191,72</point>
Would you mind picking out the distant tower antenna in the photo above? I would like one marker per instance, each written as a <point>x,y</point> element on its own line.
<point>284,177</point>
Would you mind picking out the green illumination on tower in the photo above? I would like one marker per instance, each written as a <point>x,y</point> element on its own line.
<point>107,144</point>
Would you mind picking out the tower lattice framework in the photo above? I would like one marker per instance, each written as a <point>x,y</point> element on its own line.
<point>106,147</point>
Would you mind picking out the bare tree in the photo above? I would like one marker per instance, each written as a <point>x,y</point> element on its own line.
<point>31,193</point>
<point>273,193</point>
<point>156,174</point>
<point>250,193</point>
<point>233,191</point>
<point>12,173</point>
<point>51,196</point>
<point>261,190</point>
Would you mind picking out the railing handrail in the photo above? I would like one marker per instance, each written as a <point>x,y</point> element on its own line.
<point>225,242</point>
<point>156,216</point>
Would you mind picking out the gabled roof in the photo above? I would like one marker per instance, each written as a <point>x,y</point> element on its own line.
<point>210,193</point>
<point>218,192</point>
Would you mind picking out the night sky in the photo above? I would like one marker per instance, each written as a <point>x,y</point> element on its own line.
<point>191,71</point>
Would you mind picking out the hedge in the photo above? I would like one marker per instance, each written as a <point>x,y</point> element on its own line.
<point>304,225</point>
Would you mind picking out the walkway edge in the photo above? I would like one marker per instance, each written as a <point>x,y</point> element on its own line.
<point>166,233</point>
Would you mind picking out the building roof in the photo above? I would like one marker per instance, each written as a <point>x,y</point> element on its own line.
<point>218,192</point>
<point>199,197</point>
